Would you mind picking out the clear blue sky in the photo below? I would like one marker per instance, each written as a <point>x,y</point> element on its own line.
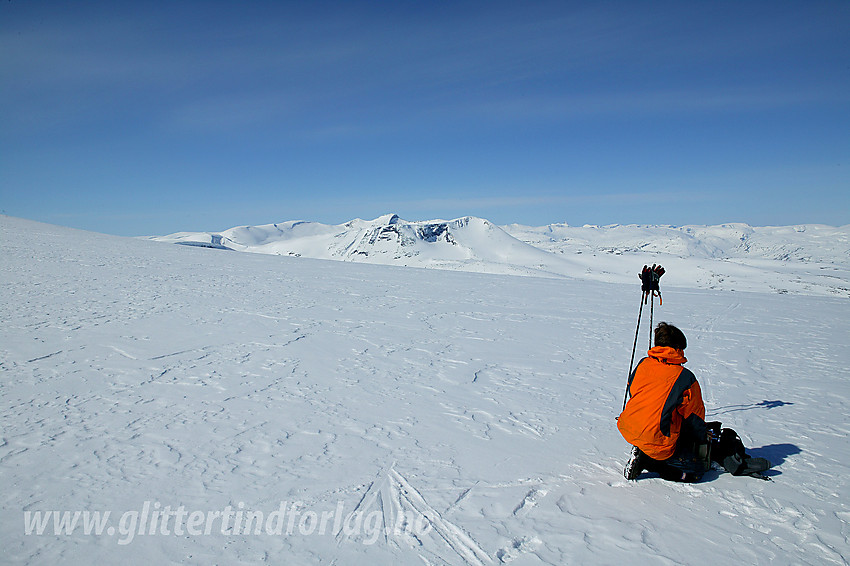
<point>153,117</point>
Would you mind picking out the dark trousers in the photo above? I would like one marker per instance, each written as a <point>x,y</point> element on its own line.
<point>687,464</point>
<point>671,472</point>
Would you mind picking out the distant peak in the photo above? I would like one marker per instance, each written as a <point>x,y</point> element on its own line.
<point>387,219</point>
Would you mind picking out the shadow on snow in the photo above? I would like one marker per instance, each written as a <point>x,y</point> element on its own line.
<point>746,407</point>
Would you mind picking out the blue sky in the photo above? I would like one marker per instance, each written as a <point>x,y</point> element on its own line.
<point>140,118</point>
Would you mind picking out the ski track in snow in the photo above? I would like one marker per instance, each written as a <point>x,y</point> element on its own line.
<point>474,413</point>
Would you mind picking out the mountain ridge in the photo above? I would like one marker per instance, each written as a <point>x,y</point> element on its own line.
<point>807,258</point>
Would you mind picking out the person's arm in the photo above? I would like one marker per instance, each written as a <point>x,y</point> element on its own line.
<point>693,411</point>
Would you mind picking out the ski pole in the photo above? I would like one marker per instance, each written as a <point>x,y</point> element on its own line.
<point>651,314</point>
<point>634,348</point>
<point>650,278</point>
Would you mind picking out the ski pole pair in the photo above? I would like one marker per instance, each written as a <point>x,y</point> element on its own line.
<point>650,278</point>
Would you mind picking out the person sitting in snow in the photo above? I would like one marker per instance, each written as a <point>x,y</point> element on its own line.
<point>664,419</point>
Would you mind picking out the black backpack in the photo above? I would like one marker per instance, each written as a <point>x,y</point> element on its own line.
<point>728,450</point>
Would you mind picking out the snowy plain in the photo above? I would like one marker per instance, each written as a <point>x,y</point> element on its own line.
<point>451,417</point>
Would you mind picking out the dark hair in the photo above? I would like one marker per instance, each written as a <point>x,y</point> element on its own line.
<point>669,335</point>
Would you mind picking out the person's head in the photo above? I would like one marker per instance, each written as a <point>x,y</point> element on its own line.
<point>670,336</point>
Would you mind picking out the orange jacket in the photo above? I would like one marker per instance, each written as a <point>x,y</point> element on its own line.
<point>663,396</point>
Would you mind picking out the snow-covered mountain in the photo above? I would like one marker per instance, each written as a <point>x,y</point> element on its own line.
<point>813,243</point>
<point>464,244</point>
<point>810,259</point>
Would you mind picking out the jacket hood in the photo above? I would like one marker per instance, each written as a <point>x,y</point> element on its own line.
<point>667,355</point>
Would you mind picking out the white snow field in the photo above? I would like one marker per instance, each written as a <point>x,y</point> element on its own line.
<point>233,408</point>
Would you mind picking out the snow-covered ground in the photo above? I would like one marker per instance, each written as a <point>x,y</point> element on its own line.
<point>807,259</point>
<point>472,414</point>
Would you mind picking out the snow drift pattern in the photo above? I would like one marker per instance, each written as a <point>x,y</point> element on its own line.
<point>472,415</point>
